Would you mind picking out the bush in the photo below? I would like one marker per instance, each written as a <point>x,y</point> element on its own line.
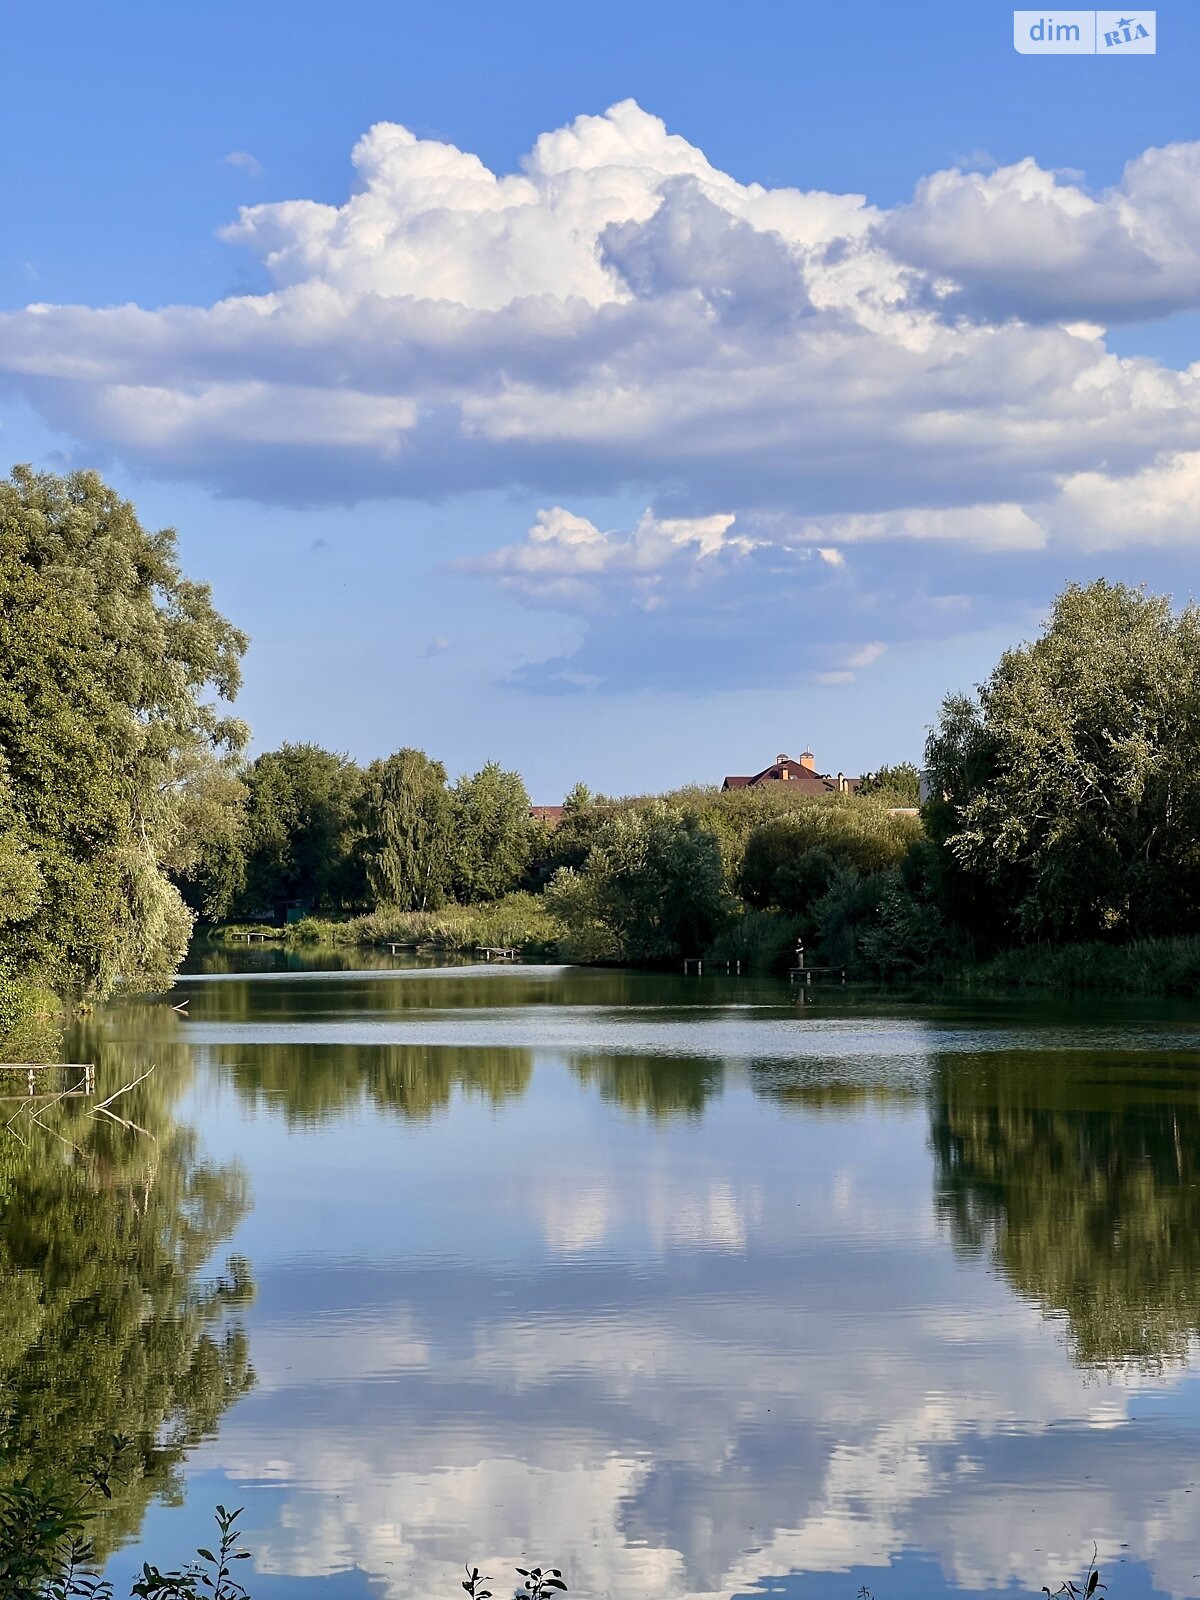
<point>519,921</point>
<point>763,941</point>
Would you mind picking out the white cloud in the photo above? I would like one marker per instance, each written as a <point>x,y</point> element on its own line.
<point>1021,241</point>
<point>1160,505</point>
<point>621,312</point>
<point>801,384</point>
<point>243,161</point>
<point>979,527</point>
<point>567,560</point>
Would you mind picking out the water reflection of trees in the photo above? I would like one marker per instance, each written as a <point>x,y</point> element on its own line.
<point>659,1086</point>
<point>313,1082</point>
<point>1081,1180</point>
<point>113,1322</point>
<point>299,987</point>
<point>814,1085</point>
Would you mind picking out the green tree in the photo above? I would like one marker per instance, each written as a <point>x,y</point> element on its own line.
<point>492,834</point>
<point>652,887</point>
<point>567,843</point>
<point>790,861</point>
<point>109,659</point>
<point>407,831</point>
<point>301,830</point>
<point>208,859</point>
<point>1069,789</point>
<point>896,786</point>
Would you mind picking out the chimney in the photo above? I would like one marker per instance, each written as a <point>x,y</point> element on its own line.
<point>780,759</point>
<point>808,761</point>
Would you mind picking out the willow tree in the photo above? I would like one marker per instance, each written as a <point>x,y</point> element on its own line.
<point>407,831</point>
<point>493,834</point>
<point>1069,789</point>
<point>112,670</point>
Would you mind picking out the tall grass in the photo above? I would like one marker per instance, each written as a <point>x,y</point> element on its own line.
<point>1143,967</point>
<point>518,921</point>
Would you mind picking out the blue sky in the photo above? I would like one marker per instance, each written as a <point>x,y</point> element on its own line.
<point>659,451</point>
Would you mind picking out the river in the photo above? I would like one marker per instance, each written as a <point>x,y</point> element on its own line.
<point>688,1286</point>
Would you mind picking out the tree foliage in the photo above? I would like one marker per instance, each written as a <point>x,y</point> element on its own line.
<point>1069,789</point>
<point>652,887</point>
<point>407,831</point>
<point>301,830</point>
<point>109,664</point>
<point>896,786</point>
<point>791,861</point>
<point>492,834</point>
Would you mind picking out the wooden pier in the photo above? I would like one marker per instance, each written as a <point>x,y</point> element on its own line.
<point>807,974</point>
<point>697,962</point>
<point>499,952</point>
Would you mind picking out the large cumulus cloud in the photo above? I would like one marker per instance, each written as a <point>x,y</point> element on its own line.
<point>621,316</point>
<point>1024,242</point>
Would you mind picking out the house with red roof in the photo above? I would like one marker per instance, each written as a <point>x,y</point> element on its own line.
<point>801,771</point>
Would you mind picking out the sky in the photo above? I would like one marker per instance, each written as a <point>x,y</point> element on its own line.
<point>627,394</point>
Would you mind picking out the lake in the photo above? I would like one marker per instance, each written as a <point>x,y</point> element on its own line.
<point>688,1286</point>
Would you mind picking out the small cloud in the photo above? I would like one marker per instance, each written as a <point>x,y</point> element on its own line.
<point>435,647</point>
<point>244,162</point>
<point>975,161</point>
<point>31,271</point>
<point>320,543</point>
<point>853,662</point>
<point>866,655</point>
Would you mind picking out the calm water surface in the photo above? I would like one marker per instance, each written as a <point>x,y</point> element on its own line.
<point>673,1283</point>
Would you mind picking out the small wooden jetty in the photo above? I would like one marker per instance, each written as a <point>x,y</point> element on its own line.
<point>85,1085</point>
<point>261,937</point>
<point>696,963</point>
<point>807,974</point>
<point>499,952</point>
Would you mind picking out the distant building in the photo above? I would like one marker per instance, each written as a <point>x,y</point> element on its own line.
<point>550,815</point>
<point>801,771</point>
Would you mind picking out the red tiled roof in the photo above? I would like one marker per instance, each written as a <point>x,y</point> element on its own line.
<point>551,814</point>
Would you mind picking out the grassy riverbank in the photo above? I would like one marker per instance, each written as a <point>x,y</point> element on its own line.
<point>520,921</point>
<point>1146,967</point>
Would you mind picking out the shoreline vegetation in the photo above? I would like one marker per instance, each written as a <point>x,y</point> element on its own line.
<point>1057,848</point>
<point>1146,968</point>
